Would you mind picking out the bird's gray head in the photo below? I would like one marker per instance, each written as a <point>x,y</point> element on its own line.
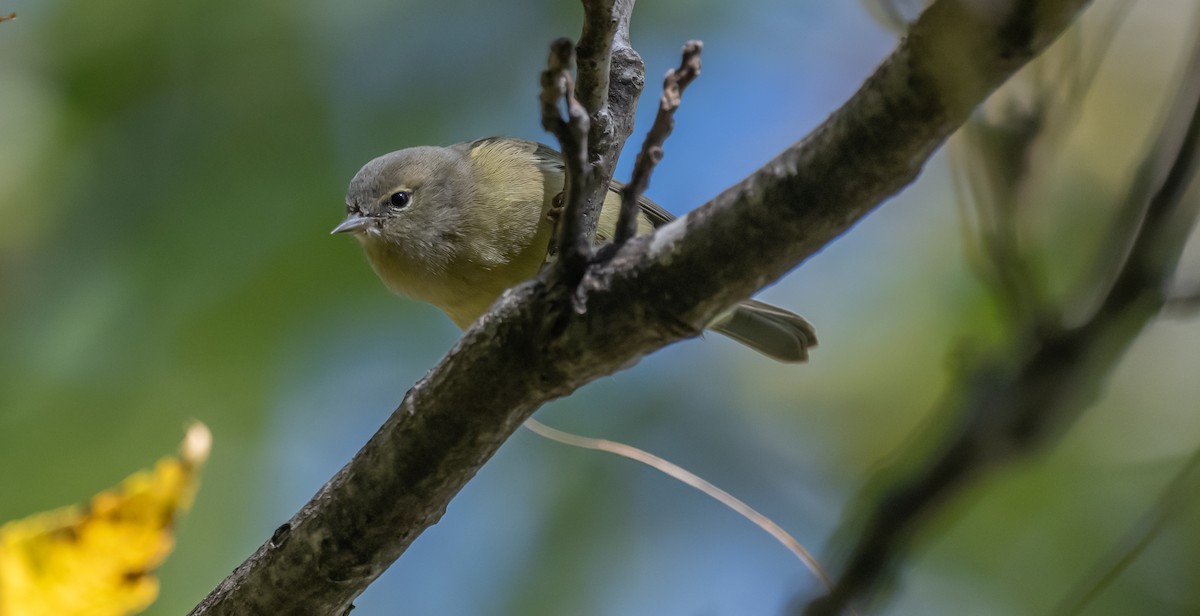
<point>412,200</point>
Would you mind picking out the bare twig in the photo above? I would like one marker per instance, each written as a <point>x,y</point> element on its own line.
<point>676,82</point>
<point>610,80</point>
<point>649,295</point>
<point>1010,406</point>
<point>1173,496</point>
<point>572,135</point>
<point>9,17</point>
<point>692,480</point>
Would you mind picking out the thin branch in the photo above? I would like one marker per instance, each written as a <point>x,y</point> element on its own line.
<point>692,480</point>
<point>651,293</point>
<point>1010,408</point>
<point>1173,496</point>
<point>9,17</point>
<point>572,135</point>
<point>674,84</point>
<point>610,79</point>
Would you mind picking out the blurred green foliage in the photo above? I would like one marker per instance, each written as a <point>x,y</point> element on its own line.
<point>168,176</point>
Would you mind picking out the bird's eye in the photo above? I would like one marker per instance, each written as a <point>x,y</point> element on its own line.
<point>400,199</point>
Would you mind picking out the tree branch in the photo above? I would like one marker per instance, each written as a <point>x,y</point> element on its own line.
<point>674,84</point>
<point>654,291</point>
<point>611,78</point>
<point>572,133</point>
<point>601,20</point>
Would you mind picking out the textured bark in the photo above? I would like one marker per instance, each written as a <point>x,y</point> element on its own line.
<point>544,339</point>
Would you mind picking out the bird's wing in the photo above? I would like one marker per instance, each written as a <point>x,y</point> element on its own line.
<point>551,161</point>
<point>653,211</point>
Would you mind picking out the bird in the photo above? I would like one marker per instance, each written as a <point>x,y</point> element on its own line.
<point>456,226</point>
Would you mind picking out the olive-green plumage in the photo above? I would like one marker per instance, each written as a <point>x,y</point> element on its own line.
<point>457,226</point>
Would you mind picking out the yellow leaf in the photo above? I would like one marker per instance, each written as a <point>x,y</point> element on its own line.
<point>99,560</point>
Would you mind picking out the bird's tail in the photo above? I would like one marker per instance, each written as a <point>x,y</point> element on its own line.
<point>774,332</point>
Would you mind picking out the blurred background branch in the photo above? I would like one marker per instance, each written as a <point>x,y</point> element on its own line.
<point>1100,577</point>
<point>1015,400</point>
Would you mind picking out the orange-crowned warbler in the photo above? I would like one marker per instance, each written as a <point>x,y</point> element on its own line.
<point>457,226</point>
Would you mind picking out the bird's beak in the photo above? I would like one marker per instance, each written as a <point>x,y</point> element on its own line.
<point>353,224</point>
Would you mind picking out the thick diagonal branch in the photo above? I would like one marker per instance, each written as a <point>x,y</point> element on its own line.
<point>656,290</point>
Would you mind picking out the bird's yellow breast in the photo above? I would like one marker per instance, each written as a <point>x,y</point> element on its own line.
<point>503,240</point>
